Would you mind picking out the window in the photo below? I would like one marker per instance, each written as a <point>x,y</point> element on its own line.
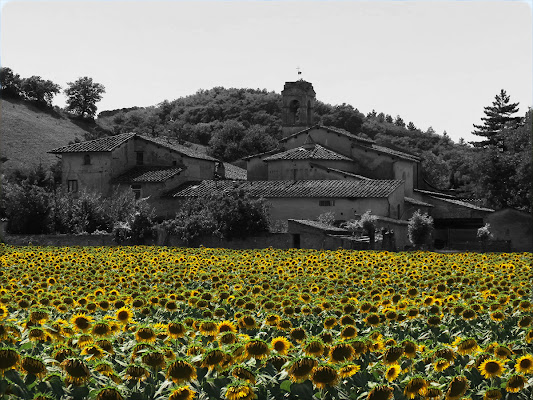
<point>136,191</point>
<point>72,186</point>
<point>87,159</point>
<point>326,203</point>
<point>140,157</point>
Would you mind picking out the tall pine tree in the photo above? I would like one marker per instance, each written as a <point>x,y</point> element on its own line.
<point>498,118</point>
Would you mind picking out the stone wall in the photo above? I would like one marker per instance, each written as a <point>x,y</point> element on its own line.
<point>275,240</point>
<point>59,240</point>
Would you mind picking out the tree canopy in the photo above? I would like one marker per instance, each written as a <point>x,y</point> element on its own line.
<point>498,117</point>
<point>82,96</point>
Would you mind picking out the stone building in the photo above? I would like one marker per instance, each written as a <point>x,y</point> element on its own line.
<point>315,169</point>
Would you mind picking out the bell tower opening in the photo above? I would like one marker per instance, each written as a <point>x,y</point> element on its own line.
<point>298,106</point>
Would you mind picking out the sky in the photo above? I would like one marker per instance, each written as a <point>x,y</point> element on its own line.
<point>435,63</point>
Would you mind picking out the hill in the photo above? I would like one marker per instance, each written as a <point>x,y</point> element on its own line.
<point>27,133</point>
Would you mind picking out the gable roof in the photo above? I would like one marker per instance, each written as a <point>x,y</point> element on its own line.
<point>315,152</point>
<point>319,225</point>
<point>147,174</point>
<point>416,202</point>
<point>174,144</point>
<point>232,172</point>
<point>363,142</point>
<point>463,204</point>
<point>335,188</point>
<point>332,129</point>
<point>108,143</point>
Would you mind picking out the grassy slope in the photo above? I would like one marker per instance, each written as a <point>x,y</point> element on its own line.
<point>27,133</point>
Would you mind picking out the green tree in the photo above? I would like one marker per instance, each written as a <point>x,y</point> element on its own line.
<point>82,96</point>
<point>411,126</point>
<point>497,117</point>
<point>10,83</point>
<point>420,229</point>
<point>39,90</point>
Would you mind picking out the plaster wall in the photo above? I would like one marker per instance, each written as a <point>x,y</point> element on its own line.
<point>257,169</point>
<point>334,141</point>
<point>513,225</point>
<point>93,177</point>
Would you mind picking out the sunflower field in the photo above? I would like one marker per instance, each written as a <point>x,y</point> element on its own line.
<point>111,323</point>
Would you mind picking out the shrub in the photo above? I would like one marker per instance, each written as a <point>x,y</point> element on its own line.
<point>420,228</point>
<point>484,234</point>
<point>327,218</point>
<point>228,215</point>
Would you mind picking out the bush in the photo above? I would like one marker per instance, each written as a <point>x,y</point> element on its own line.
<point>327,218</point>
<point>484,234</point>
<point>228,215</point>
<point>420,228</point>
<point>27,208</point>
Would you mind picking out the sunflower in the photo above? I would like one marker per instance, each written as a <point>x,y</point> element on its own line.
<point>247,322</point>
<point>256,348</point>
<point>136,372</point>
<point>81,322</point>
<point>492,394</point>
<point>281,345</point>
<point>491,368</point>
<point>324,375</point>
<point>278,362</point>
<point>330,322</point>
<point>524,364</point>
<point>176,329</point>
<point>467,346</point>
<point>441,364</point>
<point>240,390</point>
<point>348,332</point>
<point>77,371</point>
<point>145,334</point>
<point>93,351</point>
<point>226,326</point>
<point>434,320</point>
<point>182,393</point>
<point>109,393</point>
<point>298,334</point>
<point>62,353</point>
<point>9,358</point>
<point>392,355</point>
<point>314,347</point>
<point>34,366</point>
<point>469,314</point>
<point>300,369</point>
<point>341,352</point>
<point>181,371</point>
<point>497,316</point>
<point>104,368</point>
<point>373,319</point>
<point>502,352</point>
<point>213,358</point>
<point>409,348</point>
<point>381,392</point>
<point>348,369</point>
<point>515,383</point>
<point>124,315</point>
<point>101,328</point>
<point>416,386</point>
<point>392,372</point>
<point>458,387</point>
<point>154,359</point>
<point>37,316</point>
<point>243,373</point>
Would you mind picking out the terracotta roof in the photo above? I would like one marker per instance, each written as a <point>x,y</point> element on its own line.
<point>147,174</point>
<point>174,144</point>
<point>235,173</point>
<point>315,152</point>
<point>338,188</point>
<point>108,143</point>
<point>339,171</point>
<point>416,202</point>
<point>435,194</point>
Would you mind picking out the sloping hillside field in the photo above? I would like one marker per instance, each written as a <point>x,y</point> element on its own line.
<point>174,323</point>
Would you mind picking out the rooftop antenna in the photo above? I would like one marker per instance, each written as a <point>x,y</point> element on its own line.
<point>299,72</point>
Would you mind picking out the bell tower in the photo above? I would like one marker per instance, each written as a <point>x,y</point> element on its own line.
<point>298,106</point>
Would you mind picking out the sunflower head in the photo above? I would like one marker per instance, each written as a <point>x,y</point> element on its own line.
<point>392,355</point>
<point>491,368</point>
<point>136,372</point>
<point>244,373</point>
<point>524,364</point>
<point>281,345</point>
<point>77,371</point>
<point>515,383</point>
<point>182,393</point>
<point>392,372</point>
<point>381,392</point>
<point>9,358</point>
<point>458,387</point>
<point>109,393</point>
<point>256,348</point>
<point>34,366</point>
<point>181,371</point>
<point>416,386</point>
<point>300,369</point>
<point>81,322</point>
<point>324,375</point>
<point>341,352</point>
<point>240,390</point>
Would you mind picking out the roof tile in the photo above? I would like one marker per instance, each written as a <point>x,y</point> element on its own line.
<point>108,143</point>
<point>337,188</point>
<point>147,174</point>
<point>315,152</point>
